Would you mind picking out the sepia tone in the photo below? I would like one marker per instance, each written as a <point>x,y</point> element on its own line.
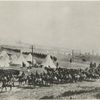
<point>49,50</point>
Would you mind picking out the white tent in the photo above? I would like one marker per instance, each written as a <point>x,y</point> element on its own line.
<point>4,59</point>
<point>48,62</point>
<point>29,58</point>
<point>13,59</point>
<point>21,60</point>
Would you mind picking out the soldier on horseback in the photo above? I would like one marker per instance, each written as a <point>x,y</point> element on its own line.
<point>4,83</point>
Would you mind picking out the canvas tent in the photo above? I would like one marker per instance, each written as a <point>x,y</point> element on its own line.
<point>21,60</point>
<point>29,59</point>
<point>48,62</point>
<point>4,59</point>
<point>13,60</point>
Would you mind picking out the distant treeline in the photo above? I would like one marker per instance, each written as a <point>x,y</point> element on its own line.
<point>10,49</point>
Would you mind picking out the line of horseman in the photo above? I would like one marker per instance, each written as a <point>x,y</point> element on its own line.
<point>49,77</point>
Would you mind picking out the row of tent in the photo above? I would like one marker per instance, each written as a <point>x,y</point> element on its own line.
<point>5,60</point>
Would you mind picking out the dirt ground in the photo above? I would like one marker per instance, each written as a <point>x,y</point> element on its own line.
<point>80,90</point>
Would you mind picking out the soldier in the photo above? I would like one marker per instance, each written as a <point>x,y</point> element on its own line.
<point>4,83</point>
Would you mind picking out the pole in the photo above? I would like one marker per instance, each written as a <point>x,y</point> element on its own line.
<point>72,55</point>
<point>92,52</point>
<point>92,55</point>
<point>32,55</point>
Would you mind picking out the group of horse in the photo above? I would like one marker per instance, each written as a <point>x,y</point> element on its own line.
<point>50,77</point>
<point>6,81</point>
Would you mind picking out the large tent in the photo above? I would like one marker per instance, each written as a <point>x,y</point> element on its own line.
<point>48,62</point>
<point>14,62</point>
<point>4,59</point>
<point>29,59</point>
<point>21,60</point>
<point>13,58</point>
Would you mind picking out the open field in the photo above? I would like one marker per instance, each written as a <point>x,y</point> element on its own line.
<point>80,90</point>
<point>74,65</point>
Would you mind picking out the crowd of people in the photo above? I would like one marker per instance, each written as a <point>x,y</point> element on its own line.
<point>50,77</point>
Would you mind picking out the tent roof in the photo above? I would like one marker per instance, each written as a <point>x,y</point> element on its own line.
<point>48,62</point>
<point>21,60</point>
<point>13,57</point>
<point>4,59</point>
<point>29,58</point>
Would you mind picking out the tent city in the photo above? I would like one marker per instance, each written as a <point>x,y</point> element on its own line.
<point>49,50</point>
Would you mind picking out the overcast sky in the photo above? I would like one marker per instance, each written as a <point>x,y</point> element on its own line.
<point>63,24</point>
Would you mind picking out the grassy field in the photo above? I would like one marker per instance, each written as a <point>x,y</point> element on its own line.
<point>80,90</point>
<point>74,65</point>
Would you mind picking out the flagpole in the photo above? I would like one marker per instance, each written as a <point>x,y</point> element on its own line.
<point>32,55</point>
<point>72,55</point>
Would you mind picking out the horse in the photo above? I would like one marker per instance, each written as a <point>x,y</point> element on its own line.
<point>22,80</point>
<point>31,80</point>
<point>7,83</point>
<point>76,77</point>
<point>83,76</point>
<point>4,83</point>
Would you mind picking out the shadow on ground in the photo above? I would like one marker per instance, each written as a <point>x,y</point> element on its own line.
<point>47,97</point>
<point>31,87</point>
<point>67,93</point>
<point>3,91</point>
<point>71,93</point>
<point>26,87</point>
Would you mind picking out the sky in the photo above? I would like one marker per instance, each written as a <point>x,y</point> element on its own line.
<point>73,25</point>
